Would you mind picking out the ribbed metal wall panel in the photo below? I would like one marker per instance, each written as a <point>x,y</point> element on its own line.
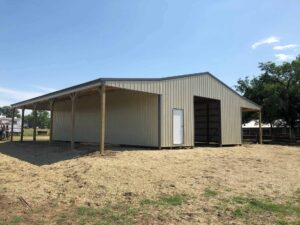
<point>178,93</point>
<point>131,119</point>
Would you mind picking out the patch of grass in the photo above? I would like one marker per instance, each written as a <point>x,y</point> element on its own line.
<point>3,222</point>
<point>62,219</point>
<point>148,202</point>
<point>11,221</point>
<point>117,215</point>
<point>238,213</point>
<point>174,200</point>
<point>111,214</point>
<point>28,132</point>
<point>297,195</point>
<point>283,222</point>
<point>248,207</point>
<point>240,200</point>
<point>86,211</point>
<point>228,189</point>
<point>120,215</point>
<point>41,222</point>
<point>267,206</point>
<point>171,200</point>
<point>15,219</point>
<point>209,193</point>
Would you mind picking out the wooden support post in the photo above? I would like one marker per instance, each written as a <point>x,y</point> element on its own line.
<point>102,117</point>
<point>12,125</point>
<point>73,102</point>
<point>51,104</point>
<point>260,128</point>
<point>34,121</point>
<point>22,124</point>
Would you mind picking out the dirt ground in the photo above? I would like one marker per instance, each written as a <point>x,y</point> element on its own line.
<point>43,175</point>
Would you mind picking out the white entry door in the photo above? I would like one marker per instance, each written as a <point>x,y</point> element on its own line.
<point>178,126</point>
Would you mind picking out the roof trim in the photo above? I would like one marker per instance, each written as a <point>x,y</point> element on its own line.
<point>97,82</point>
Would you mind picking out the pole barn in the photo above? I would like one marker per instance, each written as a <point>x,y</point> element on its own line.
<point>178,111</point>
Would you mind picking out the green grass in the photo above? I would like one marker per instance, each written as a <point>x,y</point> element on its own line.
<point>118,215</point>
<point>248,208</point>
<point>3,222</point>
<point>284,222</point>
<point>245,209</point>
<point>28,132</point>
<point>267,206</point>
<point>123,214</point>
<point>12,220</point>
<point>63,218</point>
<point>297,195</point>
<point>209,193</point>
<point>240,200</point>
<point>15,219</point>
<point>238,213</point>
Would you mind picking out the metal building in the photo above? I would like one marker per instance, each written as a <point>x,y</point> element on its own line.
<point>173,111</point>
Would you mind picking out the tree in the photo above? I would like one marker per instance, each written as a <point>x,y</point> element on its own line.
<point>43,119</point>
<point>277,90</point>
<point>259,91</point>
<point>7,111</point>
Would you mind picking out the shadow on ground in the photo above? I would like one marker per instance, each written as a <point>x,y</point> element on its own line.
<point>43,153</point>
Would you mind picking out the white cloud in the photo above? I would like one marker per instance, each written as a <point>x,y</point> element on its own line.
<point>10,96</point>
<point>44,89</point>
<point>4,102</point>
<point>267,41</point>
<point>284,57</point>
<point>18,94</point>
<point>283,47</point>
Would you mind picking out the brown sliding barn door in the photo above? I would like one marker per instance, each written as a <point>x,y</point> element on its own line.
<point>207,119</point>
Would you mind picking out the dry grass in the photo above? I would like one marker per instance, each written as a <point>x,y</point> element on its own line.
<point>196,186</point>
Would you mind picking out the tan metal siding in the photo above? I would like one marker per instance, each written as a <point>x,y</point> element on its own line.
<point>62,121</point>
<point>86,120</point>
<point>178,93</point>
<point>131,118</point>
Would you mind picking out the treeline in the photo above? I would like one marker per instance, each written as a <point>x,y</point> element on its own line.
<point>277,90</point>
<point>6,111</point>
<point>43,117</point>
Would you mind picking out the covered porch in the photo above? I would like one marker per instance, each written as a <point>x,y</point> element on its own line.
<point>73,100</point>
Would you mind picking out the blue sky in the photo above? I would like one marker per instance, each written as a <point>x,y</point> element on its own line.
<point>48,45</point>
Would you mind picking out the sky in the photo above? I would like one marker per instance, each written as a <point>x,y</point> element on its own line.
<point>47,45</point>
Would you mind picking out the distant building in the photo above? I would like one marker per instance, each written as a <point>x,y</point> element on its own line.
<point>251,128</point>
<point>7,121</point>
<point>279,131</point>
